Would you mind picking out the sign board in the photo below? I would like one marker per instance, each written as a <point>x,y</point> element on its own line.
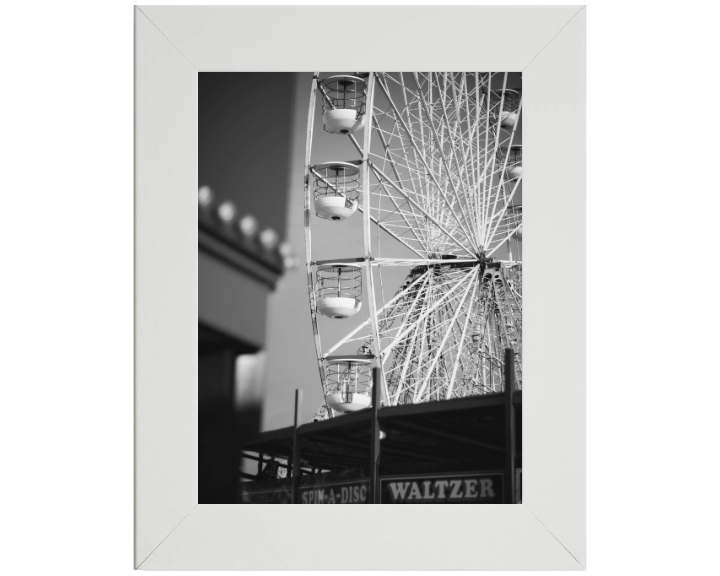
<point>478,488</point>
<point>336,493</point>
<point>460,488</point>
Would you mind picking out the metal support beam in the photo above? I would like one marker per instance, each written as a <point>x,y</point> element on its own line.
<point>374,495</point>
<point>296,450</point>
<point>509,426</point>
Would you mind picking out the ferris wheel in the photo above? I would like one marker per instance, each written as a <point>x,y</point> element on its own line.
<point>437,181</point>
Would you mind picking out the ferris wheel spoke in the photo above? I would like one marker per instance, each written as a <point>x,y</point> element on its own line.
<point>485,340</point>
<point>493,156</point>
<point>404,240</point>
<point>441,346</point>
<point>457,136</point>
<point>389,230</point>
<point>517,307</point>
<point>421,353</point>
<point>468,315</point>
<point>425,313</point>
<point>424,161</point>
<point>397,175</point>
<point>459,346</point>
<point>432,369</point>
<point>420,261</point>
<point>512,313</point>
<point>501,241</point>
<point>418,363</point>
<point>465,141</point>
<point>405,365</point>
<point>478,186</point>
<point>471,127</point>
<point>421,200</point>
<point>403,226</point>
<point>386,322</point>
<point>506,315</point>
<point>481,177</point>
<point>406,320</point>
<point>444,164</point>
<point>509,226</point>
<point>411,316</point>
<point>452,124</point>
<point>416,294</point>
<point>503,171</point>
<point>408,116</point>
<point>499,194</point>
<point>501,214</point>
<point>381,177</point>
<point>402,231</point>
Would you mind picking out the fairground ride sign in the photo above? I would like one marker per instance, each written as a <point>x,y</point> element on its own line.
<point>345,493</point>
<point>464,488</point>
<point>450,489</point>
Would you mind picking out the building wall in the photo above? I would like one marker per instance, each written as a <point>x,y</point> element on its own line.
<point>290,348</point>
<point>244,128</point>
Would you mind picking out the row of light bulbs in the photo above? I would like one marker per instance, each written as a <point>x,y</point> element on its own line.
<point>248,226</point>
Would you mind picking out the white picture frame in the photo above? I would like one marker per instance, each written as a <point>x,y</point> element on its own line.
<point>547,531</point>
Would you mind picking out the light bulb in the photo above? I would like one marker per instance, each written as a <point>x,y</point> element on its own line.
<point>248,225</point>
<point>227,211</point>
<point>268,238</point>
<point>286,249</point>
<point>205,196</point>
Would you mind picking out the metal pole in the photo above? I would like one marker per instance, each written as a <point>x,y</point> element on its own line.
<point>509,426</point>
<point>374,492</point>
<point>296,449</point>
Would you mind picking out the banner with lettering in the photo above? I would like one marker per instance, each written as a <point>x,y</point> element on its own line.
<point>459,488</point>
<point>335,493</point>
<point>477,488</point>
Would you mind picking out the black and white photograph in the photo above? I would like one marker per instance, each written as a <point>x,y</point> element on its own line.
<point>360,287</point>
